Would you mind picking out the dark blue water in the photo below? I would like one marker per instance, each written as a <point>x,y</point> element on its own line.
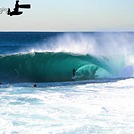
<point>99,99</point>
<point>51,56</point>
<point>14,42</point>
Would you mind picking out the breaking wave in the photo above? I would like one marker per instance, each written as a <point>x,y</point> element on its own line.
<point>93,55</point>
<point>49,66</point>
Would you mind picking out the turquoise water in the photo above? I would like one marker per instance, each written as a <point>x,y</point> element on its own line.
<point>51,67</point>
<point>98,100</point>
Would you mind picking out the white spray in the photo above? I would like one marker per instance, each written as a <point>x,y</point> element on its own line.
<point>115,48</point>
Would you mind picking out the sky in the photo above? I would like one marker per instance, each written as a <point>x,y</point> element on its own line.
<point>70,15</point>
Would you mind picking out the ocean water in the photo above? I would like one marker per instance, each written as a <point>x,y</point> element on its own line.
<point>97,100</point>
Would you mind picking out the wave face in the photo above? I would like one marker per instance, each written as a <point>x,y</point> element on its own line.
<point>51,67</point>
<point>51,57</point>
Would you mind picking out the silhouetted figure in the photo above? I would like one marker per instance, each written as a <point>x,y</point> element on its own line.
<point>16,9</point>
<point>73,71</point>
<point>34,85</point>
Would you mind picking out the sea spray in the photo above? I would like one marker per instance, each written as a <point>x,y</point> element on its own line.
<point>96,105</point>
<point>52,58</point>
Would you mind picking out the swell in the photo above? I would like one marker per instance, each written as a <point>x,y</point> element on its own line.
<point>51,67</point>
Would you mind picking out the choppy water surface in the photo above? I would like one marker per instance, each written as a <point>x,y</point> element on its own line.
<point>99,99</point>
<point>75,108</point>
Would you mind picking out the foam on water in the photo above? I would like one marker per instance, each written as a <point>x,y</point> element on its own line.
<point>82,108</point>
<point>103,105</point>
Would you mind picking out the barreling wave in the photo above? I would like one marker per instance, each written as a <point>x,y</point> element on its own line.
<point>51,67</point>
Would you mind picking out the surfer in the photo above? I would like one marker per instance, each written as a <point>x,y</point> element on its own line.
<point>73,72</point>
<point>34,85</point>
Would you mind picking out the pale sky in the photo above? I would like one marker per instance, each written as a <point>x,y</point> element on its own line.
<point>70,15</point>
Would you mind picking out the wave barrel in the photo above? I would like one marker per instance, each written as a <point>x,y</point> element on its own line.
<point>25,6</point>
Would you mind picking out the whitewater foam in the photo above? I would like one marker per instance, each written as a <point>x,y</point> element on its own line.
<point>102,103</point>
<point>105,107</point>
